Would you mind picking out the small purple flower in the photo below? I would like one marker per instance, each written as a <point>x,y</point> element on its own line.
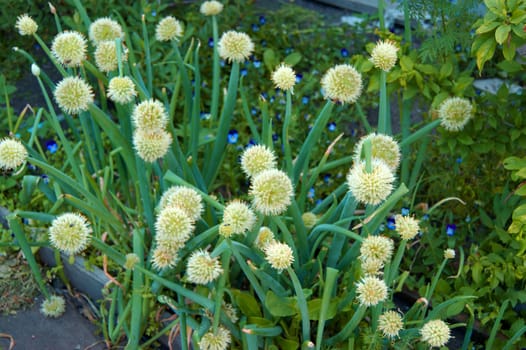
<point>391,223</point>
<point>305,100</point>
<point>331,126</point>
<point>344,52</point>
<point>405,211</point>
<point>311,193</point>
<point>211,42</point>
<point>262,20</point>
<point>51,146</point>
<point>233,136</point>
<point>450,229</point>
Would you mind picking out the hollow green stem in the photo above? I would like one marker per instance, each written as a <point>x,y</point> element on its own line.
<point>330,280</point>
<point>302,304</point>
<point>383,115</point>
<point>216,70</point>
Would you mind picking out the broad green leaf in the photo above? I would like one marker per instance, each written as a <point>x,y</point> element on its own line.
<point>406,63</point>
<point>293,59</point>
<point>409,93</point>
<point>487,27</point>
<point>462,84</point>
<point>476,272</point>
<point>446,70</point>
<point>426,69</point>
<point>287,344</point>
<point>521,191</point>
<point>246,302</point>
<point>514,163</point>
<point>465,139</point>
<point>485,52</point>
<point>314,307</point>
<point>510,66</point>
<point>518,16</point>
<point>501,34</point>
<point>280,306</point>
<point>269,58</point>
<point>508,50</point>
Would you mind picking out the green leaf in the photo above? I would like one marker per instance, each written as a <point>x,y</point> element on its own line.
<point>487,27</point>
<point>485,219</point>
<point>510,66</point>
<point>521,191</point>
<point>465,139</point>
<point>461,84</point>
<point>502,32</point>
<point>485,52</point>
<point>406,63</point>
<point>476,272</point>
<point>280,306</point>
<point>514,163</point>
<point>269,58</point>
<point>287,344</point>
<point>293,59</point>
<point>314,307</point>
<point>29,183</point>
<point>446,70</point>
<point>508,50</point>
<point>518,16</point>
<point>246,302</point>
<point>426,69</point>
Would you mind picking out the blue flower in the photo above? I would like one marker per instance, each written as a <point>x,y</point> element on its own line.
<point>331,126</point>
<point>468,219</point>
<point>244,72</point>
<point>264,43</point>
<point>264,95</point>
<point>381,228</point>
<point>278,116</point>
<point>450,229</point>
<point>52,146</point>
<point>254,111</point>
<point>405,211</point>
<point>205,116</point>
<point>327,178</point>
<point>45,178</point>
<point>305,100</point>
<point>31,167</point>
<point>391,223</point>
<point>251,142</point>
<point>299,76</point>
<point>310,194</point>
<point>262,20</point>
<point>233,135</point>
<point>344,52</point>
<point>257,63</point>
<point>425,217</point>
<point>288,50</point>
<point>222,63</point>
<point>255,27</point>
<point>154,13</point>
<point>459,160</point>
<point>211,42</point>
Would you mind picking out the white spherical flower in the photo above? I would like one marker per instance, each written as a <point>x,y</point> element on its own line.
<point>383,147</point>
<point>150,115</point>
<point>105,29</point>
<point>211,8</point>
<point>371,291</point>
<point>342,83</point>
<point>12,154</point>
<point>372,266</point>
<point>151,145</point>
<point>106,56</point>
<point>165,255</point>
<point>279,255</point>
<point>284,78</point>
<point>370,187</point>
<point>169,29</point>
<point>235,46</point>
<point>69,48</point>
<point>70,233</point>
<point>271,191</point>
<point>121,90</point>
<point>173,224</point>
<point>384,55</point>
<point>202,268</point>
<point>215,341</point>
<point>377,247</point>
<point>185,198</point>
<point>406,226</point>
<point>238,217</point>
<point>54,307</point>
<point>454,113</point>
<point>390,323</point>
<point>264,238</point>
<point>73,95</point>
<point>257,158</point>
<point>449,254</point>
<point>436,333</point>
<point>26,25</point>
<point>309,219</point>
